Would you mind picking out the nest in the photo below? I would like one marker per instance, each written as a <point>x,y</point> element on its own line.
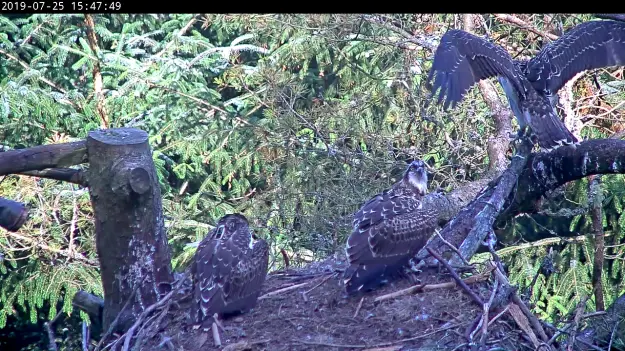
<point>307,309</point>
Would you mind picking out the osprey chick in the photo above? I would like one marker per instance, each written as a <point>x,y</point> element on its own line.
<point>228,271</point>
<point>388,231</point>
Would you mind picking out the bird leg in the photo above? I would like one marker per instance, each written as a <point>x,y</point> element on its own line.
<point>218,322</point>
<point>216,337</point>
<point>411,272</point>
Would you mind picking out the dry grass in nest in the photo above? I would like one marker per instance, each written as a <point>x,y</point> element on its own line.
<point>317,315</point>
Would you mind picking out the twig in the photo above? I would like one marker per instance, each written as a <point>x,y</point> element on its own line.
<point>279,291</point>
<point>51,338</point>
<point>66,253</point>
<point>179,34</point>
<point>519,22</point>
<point>515,298</point>
<point>428,287</point>
<point>612,334</point>
<point>487,307</point>
<point>456,277</point>
<point>544,242</point>
<point>147,311</point>
<point>389,348</point>
<point>97,72</point>
<point>113,324</point>
<point>521,320</point>
<point>43,79</point>
<point>388,343</point>
<point>85,336</point>
<point>499,315</point>
<point>244,345</point>
<point>69,175</point>
<point>452,247</point>
<point>564,330</point>
<point>359,307</point>
<point>321,283</point>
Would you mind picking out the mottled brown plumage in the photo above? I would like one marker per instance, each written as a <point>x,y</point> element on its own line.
<point>463,59</point>
<point>228,271</point>
<point>388,231</point>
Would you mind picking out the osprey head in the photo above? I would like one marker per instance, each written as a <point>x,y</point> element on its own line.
<point>417,176</point>
<point>228,225</point>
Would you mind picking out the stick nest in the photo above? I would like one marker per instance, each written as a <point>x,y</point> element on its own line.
<point>307,309</point>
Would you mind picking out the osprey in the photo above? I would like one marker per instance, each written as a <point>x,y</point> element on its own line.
<point>463,59</point>
<point>228,271</point>
<point>388,231</point>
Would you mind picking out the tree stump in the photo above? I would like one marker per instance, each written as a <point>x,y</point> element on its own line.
<point>131,240</point>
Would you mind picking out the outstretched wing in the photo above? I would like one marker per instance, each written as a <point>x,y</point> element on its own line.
<point>387,231</point>
<point>463,59</point>
<point>590,45</point>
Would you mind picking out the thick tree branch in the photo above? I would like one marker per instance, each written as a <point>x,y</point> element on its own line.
<point>69,175</point>
<point>42,157</point>
<point>548,171</point>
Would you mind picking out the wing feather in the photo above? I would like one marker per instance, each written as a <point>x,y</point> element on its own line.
<point>388,230</point>
<point>212,265</point>
<point>463,59</point>
<point>247,278</point>
<point>590,45</point>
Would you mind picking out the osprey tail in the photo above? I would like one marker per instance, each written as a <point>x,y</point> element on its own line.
<point>546,126</point>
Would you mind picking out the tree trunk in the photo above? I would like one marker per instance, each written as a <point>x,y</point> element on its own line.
<point>130,237</point>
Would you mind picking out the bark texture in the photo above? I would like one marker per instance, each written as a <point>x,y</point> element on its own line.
<point>130,236</point>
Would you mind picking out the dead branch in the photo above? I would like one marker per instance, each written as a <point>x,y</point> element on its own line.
<point>429,287</point>
<point>522,24</point>
<point>547,171</point>
<point>51,338</point>
<point>596,196</point>
<point>90,304</point>
<point>69,175</point>
<point>97,71</point>
<point>72,255</point>
<point>474,222</point>
<point>362,299</point>
<point>85,336</point>
<point>283,290</point>
<point>401,341</point>
<point>42,157</point>
<point>323,280</point>
<point>521,305</point>
<point>459,281</point>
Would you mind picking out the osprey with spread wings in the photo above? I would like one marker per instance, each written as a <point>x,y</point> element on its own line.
<point>463,59</point>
